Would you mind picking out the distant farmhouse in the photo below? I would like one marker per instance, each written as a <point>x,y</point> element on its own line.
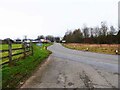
<point>18,40</point>
<point>6,40</point>
<point>25,40</point>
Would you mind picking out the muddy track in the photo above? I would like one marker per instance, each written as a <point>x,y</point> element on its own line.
<point>88,83</point>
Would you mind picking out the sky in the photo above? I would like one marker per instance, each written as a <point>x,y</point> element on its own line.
<point>53,17</point>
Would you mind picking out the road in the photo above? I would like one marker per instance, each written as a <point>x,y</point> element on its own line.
<point>66,68</point>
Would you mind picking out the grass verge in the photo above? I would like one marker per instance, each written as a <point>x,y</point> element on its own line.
<point>98,48</point>
<point>22,69</point>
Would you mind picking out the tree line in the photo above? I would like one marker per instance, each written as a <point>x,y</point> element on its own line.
<point>49,37</point>
<point>97,35</point>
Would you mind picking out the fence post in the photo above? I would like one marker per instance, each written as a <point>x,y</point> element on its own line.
<point>10,51</point>
<point>31,47</point>
<point>24,49</point>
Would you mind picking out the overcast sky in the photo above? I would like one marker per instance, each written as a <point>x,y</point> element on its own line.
<point>53,17</point>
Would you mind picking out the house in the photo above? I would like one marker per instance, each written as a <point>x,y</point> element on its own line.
<point>18,40</point>
<point>6,40</point>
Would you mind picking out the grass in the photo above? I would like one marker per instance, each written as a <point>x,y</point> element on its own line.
<point>98,48</point>
<point>12,76</point>
<point>5,47</point>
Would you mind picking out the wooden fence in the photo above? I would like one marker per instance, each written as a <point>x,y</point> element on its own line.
<point>27,49</point>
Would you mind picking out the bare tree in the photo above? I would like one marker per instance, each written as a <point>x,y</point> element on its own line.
<point>96,31</point>
<point>86,31</point>
<point>112,30</point>
<point>104,28</point>
<point>92,32</point>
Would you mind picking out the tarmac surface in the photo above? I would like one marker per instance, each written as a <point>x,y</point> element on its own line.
<point>66,68</point>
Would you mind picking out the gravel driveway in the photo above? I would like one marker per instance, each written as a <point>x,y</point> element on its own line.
<point>66,68</point>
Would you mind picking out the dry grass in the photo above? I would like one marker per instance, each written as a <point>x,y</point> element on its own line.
<point>99,48</point>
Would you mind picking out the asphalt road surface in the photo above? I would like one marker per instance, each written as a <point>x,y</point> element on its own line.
<point>66,68</point>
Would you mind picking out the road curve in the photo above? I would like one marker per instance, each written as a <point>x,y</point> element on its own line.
<point>67,68</point>
<point>103,61</point>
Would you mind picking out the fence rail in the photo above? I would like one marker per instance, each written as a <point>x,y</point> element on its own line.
<point>27,49</point>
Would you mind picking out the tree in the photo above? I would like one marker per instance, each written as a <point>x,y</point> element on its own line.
<point>91,32</point>
<point>112,30</point>
<point>104,28</point>
<point>86,32</point>
<point>99,35</point>
<point>68,36</point>
<point>50,37</point>
<point>57,39</point>
<point>96,31</point>
<point>77,36</point>
<point>40,37</point>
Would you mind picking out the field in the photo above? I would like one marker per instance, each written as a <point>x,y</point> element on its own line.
<point>98,48</point>
<point>13,76</point>
<point>5,47</point>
